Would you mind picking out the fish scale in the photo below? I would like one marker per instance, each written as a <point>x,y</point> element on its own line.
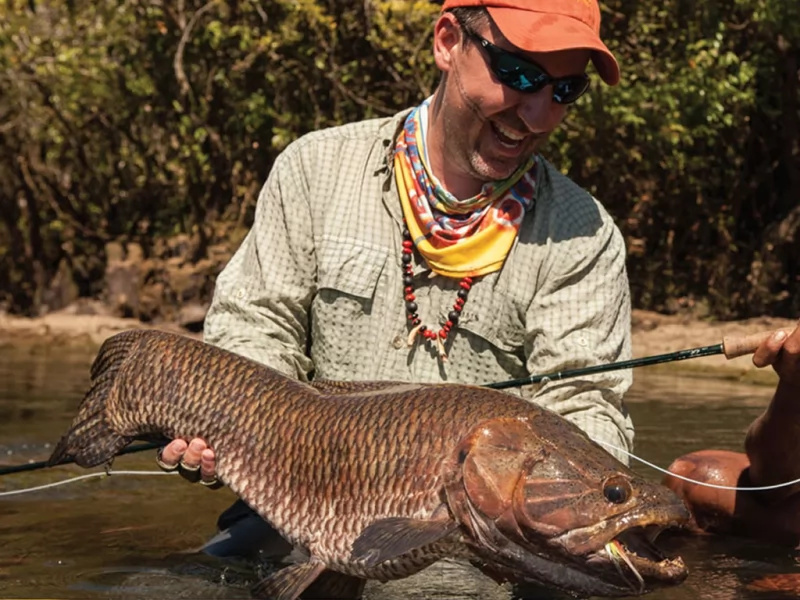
<point>375,480</point>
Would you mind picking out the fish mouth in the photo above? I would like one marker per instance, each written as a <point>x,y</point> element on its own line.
<point>621,562</point>
<point>621,554</point>
<point>639,562</point>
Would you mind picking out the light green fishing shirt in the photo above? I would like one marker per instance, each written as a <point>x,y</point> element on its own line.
<point>316,288</point>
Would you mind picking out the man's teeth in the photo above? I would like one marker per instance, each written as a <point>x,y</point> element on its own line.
<point>512,136</point>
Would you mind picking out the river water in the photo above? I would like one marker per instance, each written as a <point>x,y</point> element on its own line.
<point>133,537</point>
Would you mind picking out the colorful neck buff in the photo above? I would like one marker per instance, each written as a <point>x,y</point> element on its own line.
<point>458,238</point>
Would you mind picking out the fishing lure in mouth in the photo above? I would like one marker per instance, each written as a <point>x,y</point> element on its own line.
<point>617,553</point>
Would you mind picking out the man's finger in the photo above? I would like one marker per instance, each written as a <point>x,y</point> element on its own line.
<point>208,465</point>
<point>170,454</point>
<point>191,458</point>
<point>208,471</point>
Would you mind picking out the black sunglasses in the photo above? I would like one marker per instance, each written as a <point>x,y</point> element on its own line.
<point>523,75</point>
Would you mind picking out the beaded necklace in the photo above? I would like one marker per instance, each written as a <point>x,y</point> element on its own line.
<point>434,338</point>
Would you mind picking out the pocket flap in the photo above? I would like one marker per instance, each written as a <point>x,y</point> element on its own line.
<point>350,266</point>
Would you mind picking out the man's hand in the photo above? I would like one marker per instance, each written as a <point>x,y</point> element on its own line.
<point>783,353</point>
<point>195,461</point>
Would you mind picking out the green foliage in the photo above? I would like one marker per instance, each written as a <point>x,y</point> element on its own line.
<point>134,120</point>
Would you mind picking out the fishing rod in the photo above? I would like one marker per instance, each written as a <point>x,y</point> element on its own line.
<point>731,347</point>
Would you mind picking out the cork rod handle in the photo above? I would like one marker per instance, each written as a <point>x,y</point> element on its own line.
<point>735,345</point>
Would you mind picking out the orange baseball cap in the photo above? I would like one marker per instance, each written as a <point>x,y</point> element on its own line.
<point>549,26</point>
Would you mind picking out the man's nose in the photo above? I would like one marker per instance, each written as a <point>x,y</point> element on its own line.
<point>539,112</point>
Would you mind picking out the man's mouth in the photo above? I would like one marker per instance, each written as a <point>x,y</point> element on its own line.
<point>507,137</point>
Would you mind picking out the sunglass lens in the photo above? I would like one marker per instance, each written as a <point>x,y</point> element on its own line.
<point>568,90</point>
<point>519,75</point>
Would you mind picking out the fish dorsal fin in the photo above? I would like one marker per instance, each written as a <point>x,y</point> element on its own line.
<point>288,583</point>
<point>391,537</point>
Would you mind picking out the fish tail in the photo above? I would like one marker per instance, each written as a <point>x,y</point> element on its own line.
<point>92,440</point>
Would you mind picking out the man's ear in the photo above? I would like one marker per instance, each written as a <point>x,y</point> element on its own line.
<point>447,38</point>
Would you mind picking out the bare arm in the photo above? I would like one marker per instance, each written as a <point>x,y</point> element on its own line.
<point>773,439</point>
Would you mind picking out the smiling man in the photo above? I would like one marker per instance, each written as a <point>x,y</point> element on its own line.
<point>438,244</point>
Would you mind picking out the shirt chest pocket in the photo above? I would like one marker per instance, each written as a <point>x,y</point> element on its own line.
<point>347,277</point>
<point>494,317</point>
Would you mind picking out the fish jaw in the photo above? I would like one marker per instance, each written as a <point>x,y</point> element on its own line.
<point>625,547</point>
<point>591,569</point>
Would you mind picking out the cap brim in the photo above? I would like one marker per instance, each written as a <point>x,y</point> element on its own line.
<point>540,32</point>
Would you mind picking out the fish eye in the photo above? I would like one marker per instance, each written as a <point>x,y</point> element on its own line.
<point>617,490</point>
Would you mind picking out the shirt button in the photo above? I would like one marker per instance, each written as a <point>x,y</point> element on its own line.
<point>398,342</point>
<point>240,293</point>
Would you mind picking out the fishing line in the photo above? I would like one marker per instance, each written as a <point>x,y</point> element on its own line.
<point>108,473</point>
<point>762,488</point>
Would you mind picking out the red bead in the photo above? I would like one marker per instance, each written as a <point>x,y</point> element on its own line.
<point>448,325</point>
<point>407,250</point>
<point>410,297</point>
<point>467,280</point>
<point>407,243</point>
<point>464,284</point>
<point>408,289</point>
<point>459,304</point>
<point>442,333</point>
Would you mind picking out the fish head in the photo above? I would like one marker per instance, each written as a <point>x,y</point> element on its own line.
<point>540,502</point>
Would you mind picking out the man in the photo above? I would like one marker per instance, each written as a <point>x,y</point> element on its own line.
<point>438,245</point>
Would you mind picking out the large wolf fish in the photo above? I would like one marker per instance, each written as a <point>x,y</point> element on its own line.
<point>381,480</point>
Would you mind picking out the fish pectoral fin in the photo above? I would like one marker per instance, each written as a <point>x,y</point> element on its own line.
<point>389,538</point>
<point>288,583</point>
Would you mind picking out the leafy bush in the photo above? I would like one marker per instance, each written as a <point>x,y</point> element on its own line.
<point>135,120</point>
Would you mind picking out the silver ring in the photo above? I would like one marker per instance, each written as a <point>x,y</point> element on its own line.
<point>162,465</point>
<point>188,468</point>
<point>212,484</point>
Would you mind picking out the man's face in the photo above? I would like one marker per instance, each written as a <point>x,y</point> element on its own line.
<point>489,128</point>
